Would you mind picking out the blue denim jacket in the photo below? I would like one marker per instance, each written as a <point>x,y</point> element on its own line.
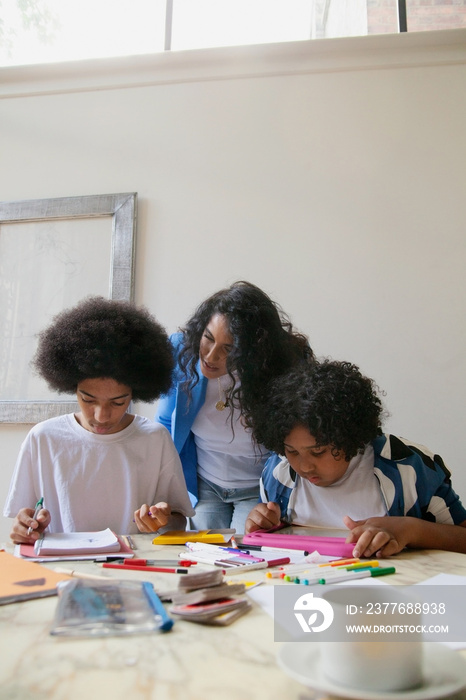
<point>175,414</point>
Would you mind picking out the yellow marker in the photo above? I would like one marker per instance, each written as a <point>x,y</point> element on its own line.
<point>363,564</point>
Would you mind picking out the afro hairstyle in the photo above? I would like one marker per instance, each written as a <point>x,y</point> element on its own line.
<point>104,338</point>
<point>332,400</point>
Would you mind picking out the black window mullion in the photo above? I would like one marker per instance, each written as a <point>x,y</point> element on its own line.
<point>402,16</point>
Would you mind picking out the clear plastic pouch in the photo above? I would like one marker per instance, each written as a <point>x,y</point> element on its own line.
<point>97,608</point>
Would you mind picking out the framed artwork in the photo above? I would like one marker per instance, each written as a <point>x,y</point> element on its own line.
<point>53,253</point>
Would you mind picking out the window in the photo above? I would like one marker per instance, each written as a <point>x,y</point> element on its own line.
<point>438,14</point>
<point>201,23</point>
<point>41,31</point>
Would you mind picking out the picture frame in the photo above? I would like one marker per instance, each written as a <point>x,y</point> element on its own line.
<point>53,253</point>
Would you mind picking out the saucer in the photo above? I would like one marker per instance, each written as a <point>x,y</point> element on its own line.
<point>444,673</point>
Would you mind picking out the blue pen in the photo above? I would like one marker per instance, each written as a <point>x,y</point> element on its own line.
<point>195,548</point>
<point>238,552</point>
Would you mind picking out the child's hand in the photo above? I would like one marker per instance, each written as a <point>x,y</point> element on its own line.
<point>151,519</point>
<point>24,520</point>
<point>373,536</point>
<point>264,516</point>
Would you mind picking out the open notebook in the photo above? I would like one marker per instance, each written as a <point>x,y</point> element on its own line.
<point>58,546</point>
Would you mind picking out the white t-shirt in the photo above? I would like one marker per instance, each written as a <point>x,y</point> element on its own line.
<point>356,494</point>
<point>91,482</point>
<point>226,456</point>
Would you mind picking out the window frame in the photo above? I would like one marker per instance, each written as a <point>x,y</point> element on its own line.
<point>122,208</point>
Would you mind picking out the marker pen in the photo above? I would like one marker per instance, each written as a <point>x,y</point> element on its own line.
<point>37,510</point>
<point>350,576</point>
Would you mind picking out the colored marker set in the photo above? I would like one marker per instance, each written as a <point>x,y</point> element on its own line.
<point>331,572</point>
<point>231,559</point>
<point>307,566</point>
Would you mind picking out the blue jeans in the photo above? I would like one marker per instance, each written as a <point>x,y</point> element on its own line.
<point>221,508</point>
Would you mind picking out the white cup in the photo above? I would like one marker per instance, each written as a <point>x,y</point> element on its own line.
<point>374,664</point>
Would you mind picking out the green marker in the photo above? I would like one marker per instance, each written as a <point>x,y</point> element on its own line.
<point>36,512</point>
<point>362,573</point>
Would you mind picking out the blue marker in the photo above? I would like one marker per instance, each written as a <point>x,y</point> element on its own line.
<point>157,606</point>
<point>235,550</point>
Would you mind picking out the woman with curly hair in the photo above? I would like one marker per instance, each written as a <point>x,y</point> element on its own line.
<point>338,467</point>
<point>234,343</point>
<point>95,468</point>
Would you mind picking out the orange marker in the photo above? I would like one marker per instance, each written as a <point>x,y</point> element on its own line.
<point>340,562</point>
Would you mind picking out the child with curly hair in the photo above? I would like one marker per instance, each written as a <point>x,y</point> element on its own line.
<point>338,467</point>
<point>96,467</point>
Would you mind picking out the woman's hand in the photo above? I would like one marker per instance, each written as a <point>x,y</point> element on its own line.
<point>152,518</point>
<point>264,516</point>
<point>25,520</point>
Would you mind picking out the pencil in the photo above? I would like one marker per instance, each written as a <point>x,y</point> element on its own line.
<point>80,574</point>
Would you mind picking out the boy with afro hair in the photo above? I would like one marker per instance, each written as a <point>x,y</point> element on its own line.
<point>339,468</point>
<point>102,466</point>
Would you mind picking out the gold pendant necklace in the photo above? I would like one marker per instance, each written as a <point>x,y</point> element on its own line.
<point>221,403</point>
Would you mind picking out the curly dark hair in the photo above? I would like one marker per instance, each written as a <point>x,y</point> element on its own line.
<point>333,400</point>
<point>264,341</point>
<point>110,339</point>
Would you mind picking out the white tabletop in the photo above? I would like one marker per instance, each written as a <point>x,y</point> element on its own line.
<point>191,662</point>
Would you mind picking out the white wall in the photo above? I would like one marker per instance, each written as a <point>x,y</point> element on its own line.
<point>331,174</point>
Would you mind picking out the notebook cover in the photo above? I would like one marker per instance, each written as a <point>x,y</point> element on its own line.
<point>24,580</point>
<point>329,546</point>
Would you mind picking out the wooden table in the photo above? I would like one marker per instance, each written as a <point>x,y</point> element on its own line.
<point>192,662</point>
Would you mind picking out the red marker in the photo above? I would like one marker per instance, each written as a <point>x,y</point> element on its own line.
<point>278,562</point>
<point>156,562</point>
<point>160,569</point>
